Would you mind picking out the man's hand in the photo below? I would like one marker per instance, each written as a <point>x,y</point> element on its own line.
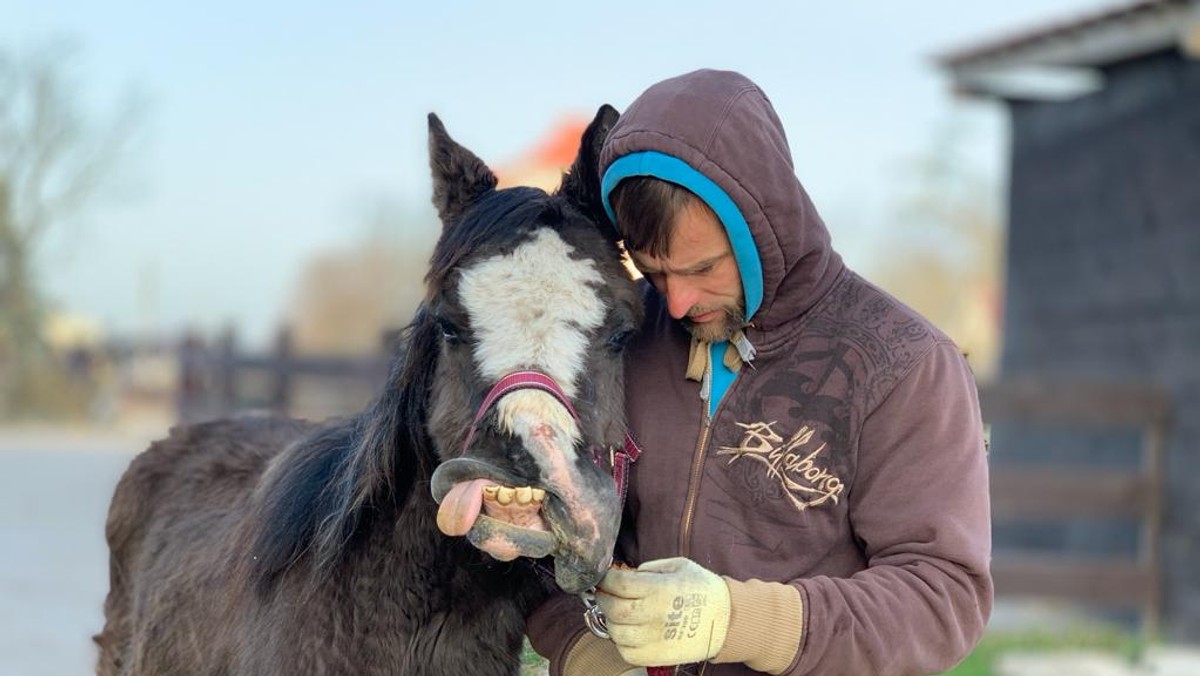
<point>670,611</point>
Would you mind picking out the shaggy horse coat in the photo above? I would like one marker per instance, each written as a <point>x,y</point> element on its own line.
<point>264,545</point>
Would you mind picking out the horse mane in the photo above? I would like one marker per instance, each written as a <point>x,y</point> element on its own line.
<point>334,481</point>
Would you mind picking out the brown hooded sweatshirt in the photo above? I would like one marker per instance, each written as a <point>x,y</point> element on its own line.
<point>844,467</point>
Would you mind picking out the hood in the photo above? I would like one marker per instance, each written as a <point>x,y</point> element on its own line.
<point>716,133</point>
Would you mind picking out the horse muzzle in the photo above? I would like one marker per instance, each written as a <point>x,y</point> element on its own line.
<point>570,512</point>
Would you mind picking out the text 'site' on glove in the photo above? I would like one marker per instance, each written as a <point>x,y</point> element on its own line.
<point>670,611</point>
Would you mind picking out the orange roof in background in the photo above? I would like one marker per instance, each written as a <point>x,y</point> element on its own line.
<point>559,147</point>
<point>542,164</point>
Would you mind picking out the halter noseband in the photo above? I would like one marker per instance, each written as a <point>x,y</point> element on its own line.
<point>518,380</point>
<point>619,460</point>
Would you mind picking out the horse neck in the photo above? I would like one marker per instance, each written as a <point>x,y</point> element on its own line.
<point>406,540</point>
<point>407,552</point>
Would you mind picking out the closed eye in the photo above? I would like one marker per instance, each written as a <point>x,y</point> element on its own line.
<point>451,333</point>
<point>619,340</point>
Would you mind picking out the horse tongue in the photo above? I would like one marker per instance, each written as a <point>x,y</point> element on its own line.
<point>461,507</point>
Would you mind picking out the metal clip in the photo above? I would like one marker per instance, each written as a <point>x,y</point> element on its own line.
<point>593,617</point>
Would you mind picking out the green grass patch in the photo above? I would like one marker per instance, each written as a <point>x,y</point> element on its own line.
<point>532,663</point>
<point>983,660</point>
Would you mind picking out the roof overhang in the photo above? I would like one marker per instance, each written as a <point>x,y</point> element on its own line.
<point>1062,60</point>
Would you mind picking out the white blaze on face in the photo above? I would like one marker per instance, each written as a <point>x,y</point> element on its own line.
<point>533,309</point>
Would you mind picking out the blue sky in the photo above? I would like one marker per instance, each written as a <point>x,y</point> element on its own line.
<point>270,126</point>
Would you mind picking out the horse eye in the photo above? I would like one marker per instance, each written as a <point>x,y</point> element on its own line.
<point>451,333</point>
<point>618,340</point>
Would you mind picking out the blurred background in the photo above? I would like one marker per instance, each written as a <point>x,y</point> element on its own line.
<point>218,207</point>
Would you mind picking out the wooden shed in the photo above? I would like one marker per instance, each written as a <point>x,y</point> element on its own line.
<point>1100,368</point>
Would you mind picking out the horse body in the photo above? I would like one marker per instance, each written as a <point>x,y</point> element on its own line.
<point>263,545</point>
<point>431,605</point>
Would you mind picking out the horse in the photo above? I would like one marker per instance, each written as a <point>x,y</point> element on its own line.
<point>269,546</point>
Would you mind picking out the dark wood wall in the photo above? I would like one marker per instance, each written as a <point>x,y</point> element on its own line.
<point>1103,281</point>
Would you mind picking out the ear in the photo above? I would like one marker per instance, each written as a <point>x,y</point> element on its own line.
<point>459,177</point>
<point>581,183</point>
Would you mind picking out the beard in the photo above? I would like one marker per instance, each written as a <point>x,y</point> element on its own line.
<point>722,328</point>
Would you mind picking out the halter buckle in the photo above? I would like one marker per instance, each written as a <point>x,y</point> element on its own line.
<point>593,616</point>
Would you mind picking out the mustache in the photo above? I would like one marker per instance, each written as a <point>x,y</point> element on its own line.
<point>737,311</point>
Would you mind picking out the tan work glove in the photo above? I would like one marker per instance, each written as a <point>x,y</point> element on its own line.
<point>670,611</point>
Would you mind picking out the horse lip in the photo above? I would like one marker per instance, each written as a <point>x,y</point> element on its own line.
<point>576,581</point>
<point>458,470</point>
<point>537,545</point>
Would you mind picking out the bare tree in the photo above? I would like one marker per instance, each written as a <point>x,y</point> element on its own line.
<point>944,255</point>
<point>53,163</point>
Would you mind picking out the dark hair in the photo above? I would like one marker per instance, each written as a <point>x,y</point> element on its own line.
<point>645,208</point>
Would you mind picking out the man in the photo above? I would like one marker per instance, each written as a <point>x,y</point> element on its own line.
<point>812,493</point>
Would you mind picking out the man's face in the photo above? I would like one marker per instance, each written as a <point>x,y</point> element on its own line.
<point>699,276</point>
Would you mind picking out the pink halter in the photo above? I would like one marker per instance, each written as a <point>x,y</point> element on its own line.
<point>619,460</point>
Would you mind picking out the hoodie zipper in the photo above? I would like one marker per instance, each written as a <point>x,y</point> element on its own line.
<point>694,486</point>
<point>693,494</point>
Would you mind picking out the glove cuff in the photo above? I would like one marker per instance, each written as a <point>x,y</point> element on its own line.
<point>766,624</point>
<point>593,655</point>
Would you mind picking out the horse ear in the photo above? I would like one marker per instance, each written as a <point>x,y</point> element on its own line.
<point>459,177</point>
<point>581,183</point>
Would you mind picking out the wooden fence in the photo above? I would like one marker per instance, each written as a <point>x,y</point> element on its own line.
<point>211,376</point>
<point>1063,493</point>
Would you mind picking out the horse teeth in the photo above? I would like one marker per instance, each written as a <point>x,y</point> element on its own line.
<point>489,492</point>
<point>539,494</point>
<point>524,495</point>
<point>505,495</point>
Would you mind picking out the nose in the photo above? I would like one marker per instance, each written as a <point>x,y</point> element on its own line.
<point>681,296</point>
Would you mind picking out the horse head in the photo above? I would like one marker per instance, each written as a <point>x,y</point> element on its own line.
<point>525,282</point>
